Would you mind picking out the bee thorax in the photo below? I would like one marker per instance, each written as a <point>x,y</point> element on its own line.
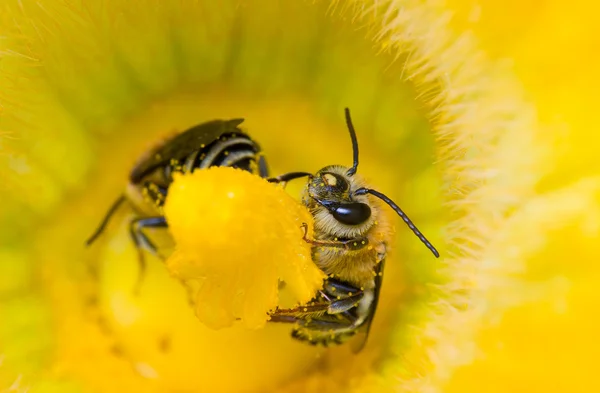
<point>352,266</point>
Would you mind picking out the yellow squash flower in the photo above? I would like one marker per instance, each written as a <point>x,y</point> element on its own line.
<point>478,118</point>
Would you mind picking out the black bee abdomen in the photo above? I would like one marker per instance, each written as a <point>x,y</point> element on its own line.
<point>234,150</point>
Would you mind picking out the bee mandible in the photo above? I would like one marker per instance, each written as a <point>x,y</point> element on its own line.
<point>350,241</point>
<point>214,143</point>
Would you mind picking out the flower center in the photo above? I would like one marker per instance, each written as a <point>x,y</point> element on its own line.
<point>290,79</point>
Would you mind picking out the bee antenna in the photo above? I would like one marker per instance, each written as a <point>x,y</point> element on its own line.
<point>363,191</point>
<point>352,170</point>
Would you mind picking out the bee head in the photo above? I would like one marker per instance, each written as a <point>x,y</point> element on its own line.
<point>340,191</point>
<point>332,189</point>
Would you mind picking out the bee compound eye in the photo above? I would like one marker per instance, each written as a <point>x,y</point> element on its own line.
<point>351,213</point>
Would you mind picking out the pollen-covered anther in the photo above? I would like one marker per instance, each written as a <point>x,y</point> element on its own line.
<point>238,235</point>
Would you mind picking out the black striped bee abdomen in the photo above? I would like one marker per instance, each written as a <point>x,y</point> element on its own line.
<point>215,143</point>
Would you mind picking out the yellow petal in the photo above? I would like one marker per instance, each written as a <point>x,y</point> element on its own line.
<point>94,65</point>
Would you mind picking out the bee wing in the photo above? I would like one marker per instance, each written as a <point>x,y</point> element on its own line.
<point>363,334</point>
<point>182,145</point>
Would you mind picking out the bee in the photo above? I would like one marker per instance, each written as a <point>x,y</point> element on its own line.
<point>350,241</point>
<point>214,143</point>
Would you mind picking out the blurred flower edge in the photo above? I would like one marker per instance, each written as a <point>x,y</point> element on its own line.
<point>490,153</point>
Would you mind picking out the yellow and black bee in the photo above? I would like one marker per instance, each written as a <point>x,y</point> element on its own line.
<point>214,143</point>
<point>350,242</point>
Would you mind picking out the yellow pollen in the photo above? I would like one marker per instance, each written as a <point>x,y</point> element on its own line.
<point>215,248</point>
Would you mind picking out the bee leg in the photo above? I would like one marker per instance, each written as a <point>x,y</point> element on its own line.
<point>338,323</point>
<point>311,309</point>
<point>329,306</point>
<point>288,176</point>
<point>343,305</point>
<point>320,331</point>
<point>335,288</point>
<point>325,324</point>
<point>104,222</point>
<point>346,295</point>
<point>283,318</point>
<point>142,241</point>
<point>324,330</point>
<point>350,244</point>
